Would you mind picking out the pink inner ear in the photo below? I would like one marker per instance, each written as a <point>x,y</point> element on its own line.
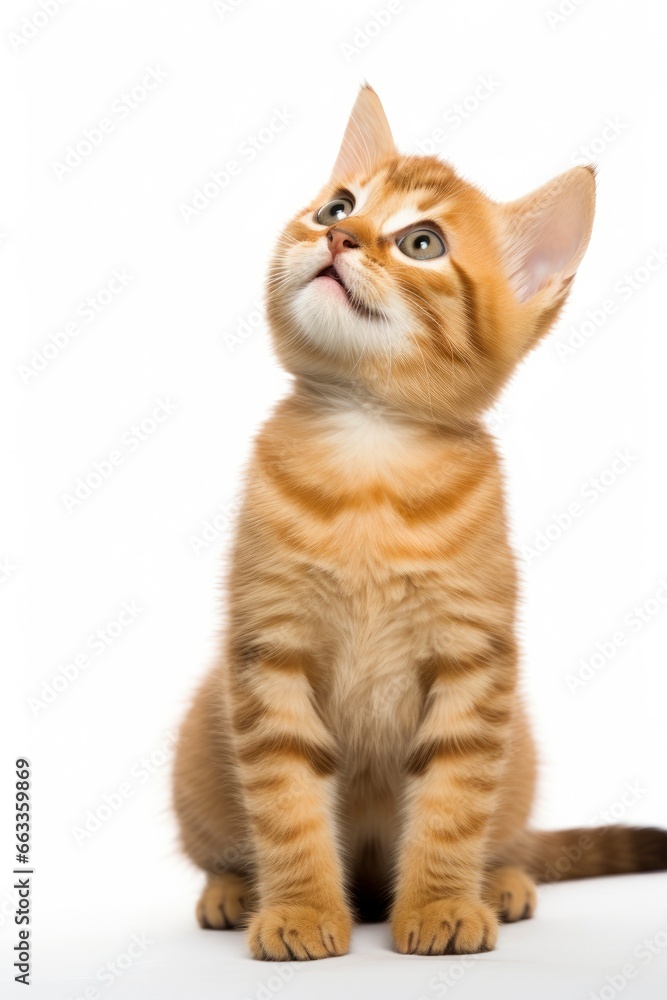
<point>555,244</point>
<point>367,139</point>
<point>551,229</point>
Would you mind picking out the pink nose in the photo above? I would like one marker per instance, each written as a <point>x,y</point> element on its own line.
<point>340,240</point>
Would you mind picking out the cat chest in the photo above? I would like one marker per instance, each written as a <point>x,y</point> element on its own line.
<point>374,715</point>
<point>367,493</point>
<point>374,699</point>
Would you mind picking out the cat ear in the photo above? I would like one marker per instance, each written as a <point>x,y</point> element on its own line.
<point>546,235</point>
<point>367,138</point>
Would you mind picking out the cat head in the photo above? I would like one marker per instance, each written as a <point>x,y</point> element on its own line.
<point>407,283</point>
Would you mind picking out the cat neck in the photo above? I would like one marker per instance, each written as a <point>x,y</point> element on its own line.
<point>327,397</point>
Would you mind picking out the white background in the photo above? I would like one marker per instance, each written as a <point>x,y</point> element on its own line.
<point>186,330</point>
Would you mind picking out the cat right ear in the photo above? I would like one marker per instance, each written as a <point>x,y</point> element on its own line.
<point>546,235</point>
<point>367,138</point>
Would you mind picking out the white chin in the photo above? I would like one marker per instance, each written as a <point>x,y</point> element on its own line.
<point>324,315</point>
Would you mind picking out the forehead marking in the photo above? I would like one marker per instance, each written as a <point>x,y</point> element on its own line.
<point>406,216</point>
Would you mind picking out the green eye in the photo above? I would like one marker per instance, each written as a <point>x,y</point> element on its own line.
<point>334,211</point>
<point>421,244</point>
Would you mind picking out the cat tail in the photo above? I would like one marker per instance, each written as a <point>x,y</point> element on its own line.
<point>602,850</point>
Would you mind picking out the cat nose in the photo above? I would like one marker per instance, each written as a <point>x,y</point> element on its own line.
<point>341,239</point>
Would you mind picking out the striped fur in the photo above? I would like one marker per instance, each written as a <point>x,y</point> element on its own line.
<point>361,740</point>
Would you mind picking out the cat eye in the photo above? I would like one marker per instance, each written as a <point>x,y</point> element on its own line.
<point>421,244</point>
<point>334,211</point>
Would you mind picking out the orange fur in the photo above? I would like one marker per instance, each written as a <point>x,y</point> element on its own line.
<point>361,741</point>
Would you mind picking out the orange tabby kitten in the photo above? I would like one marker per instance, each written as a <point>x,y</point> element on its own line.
<point>361,744</point>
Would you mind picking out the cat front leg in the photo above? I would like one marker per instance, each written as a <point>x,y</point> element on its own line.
<point>288,771</point>
<point>453,771</point>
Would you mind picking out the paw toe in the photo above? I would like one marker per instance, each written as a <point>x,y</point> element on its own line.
<point>282,933</point>
<point>222,903</point>
<point>444,927</point>
<point>512,894</point>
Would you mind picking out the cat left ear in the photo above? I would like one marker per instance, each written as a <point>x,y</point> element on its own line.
<point>546,235</point>
<point>367,138</point>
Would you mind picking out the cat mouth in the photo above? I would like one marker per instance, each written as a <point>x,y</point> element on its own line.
<point>330,273</point>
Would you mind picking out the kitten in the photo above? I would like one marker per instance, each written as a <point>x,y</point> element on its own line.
<point>361,745</point>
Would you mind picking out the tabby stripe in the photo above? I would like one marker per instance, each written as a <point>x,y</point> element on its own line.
<point>247,653</point>
<point>470,303</point>
<point>423,507</point>
<point>438,504</point>
<point>467,825</point>
<point>322,759</point>
<point>420,759</point>
<point>273,827</point>
<point>474,782</point>
<point>499,654</point>
<point>248,713</point>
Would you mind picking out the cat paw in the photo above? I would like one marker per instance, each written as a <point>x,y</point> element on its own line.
<point>284,932</point>
<point>511,893</point>
<point>223,902</point>
<point>444,927</point>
